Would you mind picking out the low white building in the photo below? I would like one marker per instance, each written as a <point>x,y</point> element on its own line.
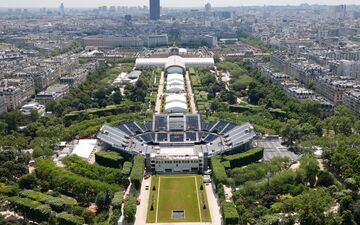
<point>85,148</point>
<point>177,160</point>
<point>174,60</point>
<point>125,78</point>
<point>26,109</point>
<point>158,40</point>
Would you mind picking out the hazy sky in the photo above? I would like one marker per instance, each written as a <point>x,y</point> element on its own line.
<point>165,3</point>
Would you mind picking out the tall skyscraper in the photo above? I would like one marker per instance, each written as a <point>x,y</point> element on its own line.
<point>154,9</point>
<point>62,8</point>
<point>208,7</point>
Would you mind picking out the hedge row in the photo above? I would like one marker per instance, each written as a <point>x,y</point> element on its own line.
<point>56,204</point>
<point>137,171</point>
<point>229,212</point>
<point>9,190</point>
<point>245,158</point>
<point>117,199</point>
<point>69,219</point>
<point>130,209</point>
<point>81,167</point>
<point>109,159</point>
<point>244,108</point>
<point>218,170</point>
<point>108,110</point>
<point>31,209</point>
<point>66,181</point>
<point>126,168</point>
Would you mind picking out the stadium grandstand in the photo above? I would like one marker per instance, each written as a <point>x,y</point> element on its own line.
<point>177,141</point>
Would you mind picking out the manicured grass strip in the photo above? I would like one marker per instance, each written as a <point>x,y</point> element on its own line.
<point>151,215</point>
<point>177,192</point>
<point>205,213</point>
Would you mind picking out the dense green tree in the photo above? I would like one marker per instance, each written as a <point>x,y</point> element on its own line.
<point>34,115</point>
<point>346,203</point>
<point>311,168</point>
<point>103,200</point>
<point>130,209</point>
<point>28,181</point>
<point>348,218</point>
<point>325,179</point>
<point>117,97</point>
<point>356,211</point>
<point>88,216</point>
<point>312,107</point>
<point>333,219</point>
<point>311,206</point>
<point>12,120</point>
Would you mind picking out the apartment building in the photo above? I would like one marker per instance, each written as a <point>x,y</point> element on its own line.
<point>352,101</point>
<point>16,91</point>
<point>334,88</point>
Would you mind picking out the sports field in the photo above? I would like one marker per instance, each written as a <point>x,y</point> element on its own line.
<point>180,192</point>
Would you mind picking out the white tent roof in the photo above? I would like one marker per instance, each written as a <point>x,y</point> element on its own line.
<point>176,107</point>
<point>175,88</point>
<point>84,148</point>
<point>175,98</point>
<point>176,76</point>
<point>175,82</point>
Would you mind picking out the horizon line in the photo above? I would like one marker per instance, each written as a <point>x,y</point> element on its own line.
<point>179,7</point>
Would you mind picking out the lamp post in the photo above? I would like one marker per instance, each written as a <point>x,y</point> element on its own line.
<point>268,175</point>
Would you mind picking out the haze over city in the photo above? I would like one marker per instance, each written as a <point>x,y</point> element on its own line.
<point>165,3</point>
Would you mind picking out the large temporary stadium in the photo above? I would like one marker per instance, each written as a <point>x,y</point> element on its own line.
<point>176,141</point>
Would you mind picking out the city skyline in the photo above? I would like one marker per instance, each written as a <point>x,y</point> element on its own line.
<point>167,3</point>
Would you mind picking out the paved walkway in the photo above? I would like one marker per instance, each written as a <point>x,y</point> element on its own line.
<point>160,93</point>
<point>214,207</point>
<point>190,93</point>
<point>228,192</point>
<point>141,210</point>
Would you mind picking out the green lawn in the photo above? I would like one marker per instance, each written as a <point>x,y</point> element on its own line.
<point>177,192</point>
